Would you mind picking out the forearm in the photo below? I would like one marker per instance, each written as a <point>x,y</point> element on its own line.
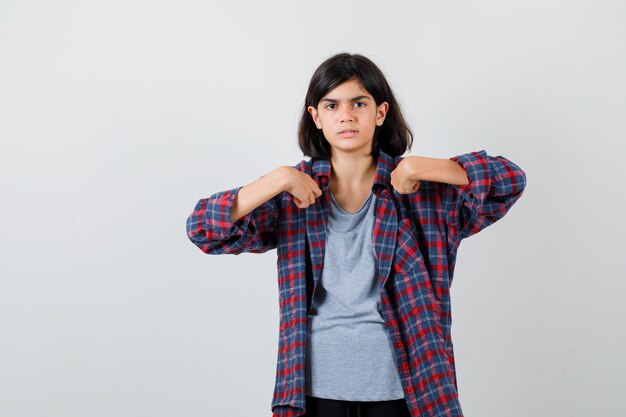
<point>438,170</point>
<point>252,195</point>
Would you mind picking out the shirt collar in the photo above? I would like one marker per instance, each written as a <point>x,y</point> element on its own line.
<point>384,165</point>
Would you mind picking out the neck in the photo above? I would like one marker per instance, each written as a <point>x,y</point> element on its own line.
<point>352,171</point>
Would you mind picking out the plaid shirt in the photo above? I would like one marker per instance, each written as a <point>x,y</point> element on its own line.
<point>416,237</point>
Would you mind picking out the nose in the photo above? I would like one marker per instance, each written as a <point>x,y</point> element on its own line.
<point>346,114</point>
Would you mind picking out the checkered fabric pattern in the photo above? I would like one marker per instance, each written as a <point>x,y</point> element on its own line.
<point>416,238</point>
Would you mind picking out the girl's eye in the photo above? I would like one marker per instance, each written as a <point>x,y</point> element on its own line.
<point>357,104</point>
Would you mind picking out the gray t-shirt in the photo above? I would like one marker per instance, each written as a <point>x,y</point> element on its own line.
<point>349,355</point>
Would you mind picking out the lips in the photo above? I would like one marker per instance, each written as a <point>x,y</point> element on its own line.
<point>348,133</point>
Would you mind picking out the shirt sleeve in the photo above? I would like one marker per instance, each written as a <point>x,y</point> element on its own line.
<point>209,226</point>
<point>495,184</point>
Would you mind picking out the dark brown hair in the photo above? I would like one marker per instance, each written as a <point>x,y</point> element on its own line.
<point>394,137</point>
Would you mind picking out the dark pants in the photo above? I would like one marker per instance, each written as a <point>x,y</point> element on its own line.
<point>322,407</point>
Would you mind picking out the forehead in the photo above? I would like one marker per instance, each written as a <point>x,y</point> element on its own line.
<point>347,90</point>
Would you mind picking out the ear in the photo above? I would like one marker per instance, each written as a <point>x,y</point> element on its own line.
<point>316,118</point>
<point>381,113</point>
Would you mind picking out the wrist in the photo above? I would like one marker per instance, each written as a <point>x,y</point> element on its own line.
<point>423,168</point>
<point>280,178</point>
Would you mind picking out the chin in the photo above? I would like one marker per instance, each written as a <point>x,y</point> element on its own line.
<point>355,147</point>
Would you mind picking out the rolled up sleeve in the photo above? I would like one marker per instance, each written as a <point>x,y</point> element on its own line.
<point>209,226</point>
<point>495,184</point>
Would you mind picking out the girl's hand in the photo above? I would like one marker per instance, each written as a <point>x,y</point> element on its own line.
<point>301,186</point>
<point>404,178</point>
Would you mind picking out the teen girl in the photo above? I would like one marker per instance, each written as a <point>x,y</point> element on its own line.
<point>363,212</point>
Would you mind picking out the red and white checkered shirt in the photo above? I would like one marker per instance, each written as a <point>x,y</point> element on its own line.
<point>416,237</point>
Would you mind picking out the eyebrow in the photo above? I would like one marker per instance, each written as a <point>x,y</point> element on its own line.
<point>332,100</point>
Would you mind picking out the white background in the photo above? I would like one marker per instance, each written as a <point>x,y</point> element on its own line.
<point>117,116</point>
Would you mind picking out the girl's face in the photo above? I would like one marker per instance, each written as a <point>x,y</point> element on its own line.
<point>348,116</point>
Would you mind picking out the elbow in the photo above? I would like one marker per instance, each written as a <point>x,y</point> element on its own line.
<point>208,246</point>
<point>509,179</point>
<point>198,238</point>
<point>211,245</point>
<point>522,181</point>
<point>517,181</point>
<point>196,234</point>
